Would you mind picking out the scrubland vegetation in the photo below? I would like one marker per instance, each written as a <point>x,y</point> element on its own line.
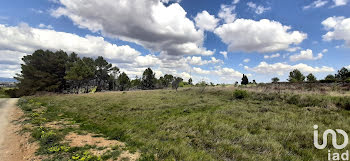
<point>255,122</point>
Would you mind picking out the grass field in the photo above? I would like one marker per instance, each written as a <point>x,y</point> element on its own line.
<point>217,124</point>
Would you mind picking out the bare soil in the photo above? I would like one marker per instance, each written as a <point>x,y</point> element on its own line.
<point>14,146</point>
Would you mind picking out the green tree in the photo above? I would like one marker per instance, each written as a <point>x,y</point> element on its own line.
<point>275,80</point>
<point>148,79</point>
<point>296,76</point>
<point>113,74</point>
<point>311,78</point>
<point>330,78</point>
<point>123,82</point>
<point>190,81</point>
<point>136,83</point>
<point>102,72</point>
<point>42,71</point>
<point>80,73</point>
<point>168,78</point>
<point>245,80</point>
<point>176,83</point>
<point>342,74</point>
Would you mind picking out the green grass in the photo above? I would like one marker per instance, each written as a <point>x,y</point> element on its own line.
<point>217,124</point>
<point>2,93</point>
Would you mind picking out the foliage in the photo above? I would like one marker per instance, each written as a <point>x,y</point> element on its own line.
<point>190,81</point>
<point>42,71</point>
<point>296,76</point>
<point>311,78</point>
<point>343,74</point>
<point>123,82</point>
<point>275,80</point>
<point>148,79</point>
<point>329,79</point>
<point>240,94</point>
<point>136,83</point>
<point>245,80</point>
<point>176,83</point>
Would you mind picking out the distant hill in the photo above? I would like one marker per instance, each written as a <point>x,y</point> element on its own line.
<point>7,79</point>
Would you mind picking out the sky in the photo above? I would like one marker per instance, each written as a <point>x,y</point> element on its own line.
<point>213,41</point>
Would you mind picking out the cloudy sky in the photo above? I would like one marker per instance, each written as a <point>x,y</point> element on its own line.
<point>215,41</point>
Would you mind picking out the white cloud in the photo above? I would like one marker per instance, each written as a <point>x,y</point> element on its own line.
<point>205,21</point>
<point>324,50</point>
<point>246,60</point>
<point>305,55</point>
<point>235,1</point>
<point>223,74</point>
<point>224,53</point>
<point>45,26</point>
<point>293,49</point>
<point>348,67</point>
<point>283,68</point>
<point>258,9</point>
<point>200,71</point>
<point>196,60</point>
<point>227,13</point>
<point>150,23</point>
<point>167,1</point>
<point>261,36</point>
<point>338,29</point>
<point>25,39</point>
<point>316,4</point>
<point>272,56</point>
<point>339,3</point>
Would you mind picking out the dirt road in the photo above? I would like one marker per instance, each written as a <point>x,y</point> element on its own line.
<point>13,145</point>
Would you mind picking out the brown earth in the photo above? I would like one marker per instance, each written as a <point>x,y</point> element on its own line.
<point>14,146</point>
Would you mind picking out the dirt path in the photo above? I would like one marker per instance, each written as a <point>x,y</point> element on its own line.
<point>13,145</point>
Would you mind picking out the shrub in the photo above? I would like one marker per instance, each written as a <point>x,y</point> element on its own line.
<point>240,94</point>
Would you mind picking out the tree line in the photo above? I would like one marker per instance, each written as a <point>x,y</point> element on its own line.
<point>343,75</point>
<point>47,71</point>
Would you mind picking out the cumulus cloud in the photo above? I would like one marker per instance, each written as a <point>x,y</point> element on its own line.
<point>316,4</point>
<point>339,3</point>
<point>227,14</point>
<point>338,29</point>
<point>200,71</point>
<point>18,41</point>
<point>196,60</point>
<point>45,26</point>
<point>283,68</point>
<point>305,55</point>
<point>26,39</point>
<point>258,9</point>
<point>224,53</point>
<point>348,67</point>
<point>246,60</point>
<point>272,56</point>
<point>205,21</point>
<point>260,36</point>
<point>224,74</point>
<point>150,23</point>
<point>235,1</point>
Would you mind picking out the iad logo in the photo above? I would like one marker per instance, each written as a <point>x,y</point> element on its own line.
<point>332,156</point>
<point>334,138</point>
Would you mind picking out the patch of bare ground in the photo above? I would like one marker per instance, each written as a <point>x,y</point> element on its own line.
<point>102,145</point>
<point>60,124</point>
<point>16,145</point>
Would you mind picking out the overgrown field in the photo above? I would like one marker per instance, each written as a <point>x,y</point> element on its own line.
<point>219,123</point>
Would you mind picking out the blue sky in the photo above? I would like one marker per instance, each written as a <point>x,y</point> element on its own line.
<point>186,38</point>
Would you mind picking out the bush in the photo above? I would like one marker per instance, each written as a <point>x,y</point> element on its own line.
<point>240,94</point>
